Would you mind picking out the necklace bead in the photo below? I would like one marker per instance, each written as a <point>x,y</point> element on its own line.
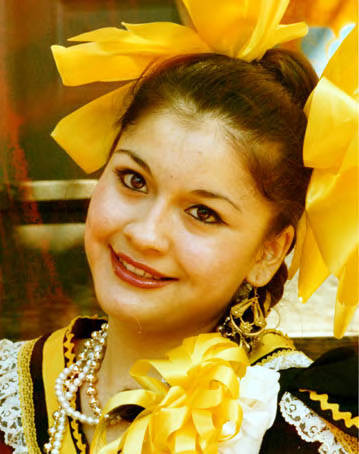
<point>69,381</point>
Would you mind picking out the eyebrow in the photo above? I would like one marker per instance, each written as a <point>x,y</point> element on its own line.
<point>213,195</point>
<point>199,192</point>
<point>136,158</point>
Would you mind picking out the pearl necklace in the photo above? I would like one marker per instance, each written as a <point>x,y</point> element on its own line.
<point>84,370</point>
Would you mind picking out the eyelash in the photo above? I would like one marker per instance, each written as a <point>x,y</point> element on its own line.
<point>216,217</point>
<point>123,173</point>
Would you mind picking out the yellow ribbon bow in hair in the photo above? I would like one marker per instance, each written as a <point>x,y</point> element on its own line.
<point>328,233</point>
<point>185,411</point>
<point>243,29</point>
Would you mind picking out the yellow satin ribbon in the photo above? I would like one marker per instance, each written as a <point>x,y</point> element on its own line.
<point>328,233</point>
<point>186,413</point>
<point>243,29</point>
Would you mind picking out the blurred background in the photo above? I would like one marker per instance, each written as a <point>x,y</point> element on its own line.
<point>44,278</point>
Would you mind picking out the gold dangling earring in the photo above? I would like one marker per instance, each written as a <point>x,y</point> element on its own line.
<point>246,321</point>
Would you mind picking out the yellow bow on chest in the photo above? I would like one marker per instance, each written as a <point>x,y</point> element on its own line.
<point>186,408</point>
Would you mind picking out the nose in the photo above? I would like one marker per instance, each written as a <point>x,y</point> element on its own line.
<point>150,230</point>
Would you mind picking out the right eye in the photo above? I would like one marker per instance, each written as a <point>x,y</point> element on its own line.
<point>204,214</point>
<point>132,180</point>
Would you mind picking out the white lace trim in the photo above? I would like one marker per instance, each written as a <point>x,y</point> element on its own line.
<point>286,360</point>
<point>10,411</point>
<point>310,427</point>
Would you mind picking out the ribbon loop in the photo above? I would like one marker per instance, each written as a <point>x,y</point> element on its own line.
<point>189,415</point>
<point>327,237</point>
<point>242,29</point>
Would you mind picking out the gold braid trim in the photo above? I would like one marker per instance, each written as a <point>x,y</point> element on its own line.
<point>70,357</point>
<point>349,443</point>
<point>69,347</point>
<point>26,397</point>
<point>78,439</point>
<point>346,416</point>
<point>270,341</point>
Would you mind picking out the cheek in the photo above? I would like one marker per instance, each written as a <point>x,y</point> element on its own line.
<point>102,220</point>
<point>93,231</point>
<point>107,212</point>
<point>222,258</point>
<point>98,219</point>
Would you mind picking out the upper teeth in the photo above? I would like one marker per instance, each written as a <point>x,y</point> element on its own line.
<point>137,271</point>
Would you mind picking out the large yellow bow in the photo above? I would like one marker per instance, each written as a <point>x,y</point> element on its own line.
<point>186,413</point>
<point>243,29</point>
<point>328,233</point>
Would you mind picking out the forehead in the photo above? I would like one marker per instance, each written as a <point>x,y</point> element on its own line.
<point>196,148</point>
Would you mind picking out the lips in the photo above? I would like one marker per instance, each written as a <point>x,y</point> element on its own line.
<point>137,274</point>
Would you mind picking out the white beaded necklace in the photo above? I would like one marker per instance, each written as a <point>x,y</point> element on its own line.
<point>84,370</point>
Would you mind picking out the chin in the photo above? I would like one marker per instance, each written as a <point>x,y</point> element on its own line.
<point>127,307</point>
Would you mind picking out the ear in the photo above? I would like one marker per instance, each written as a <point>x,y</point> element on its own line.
<point>270,256</point>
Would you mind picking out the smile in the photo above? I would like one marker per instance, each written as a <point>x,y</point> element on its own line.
<point>137,271</point>
<point>137,274</point>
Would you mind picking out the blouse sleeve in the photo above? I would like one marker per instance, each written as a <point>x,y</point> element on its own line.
<point>318,407</point>
<point>11,432</point>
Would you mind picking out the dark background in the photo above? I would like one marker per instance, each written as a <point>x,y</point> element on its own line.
<point>43,285</point>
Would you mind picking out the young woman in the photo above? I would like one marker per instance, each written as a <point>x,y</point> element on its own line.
<point>186,234</point>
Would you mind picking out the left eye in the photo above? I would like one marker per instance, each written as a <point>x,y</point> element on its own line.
<point>204,214</point>
<point>132,180</point>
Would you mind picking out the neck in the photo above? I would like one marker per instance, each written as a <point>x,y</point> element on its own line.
<point>126,344</point>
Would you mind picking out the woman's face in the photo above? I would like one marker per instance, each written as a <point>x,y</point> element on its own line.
<point>176,205</point>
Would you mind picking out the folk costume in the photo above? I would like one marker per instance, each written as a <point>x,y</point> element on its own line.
<point>213,395</point>
<point>316,399</point>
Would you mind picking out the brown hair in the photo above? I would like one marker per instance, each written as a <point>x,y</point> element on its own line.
<point>262,102</point>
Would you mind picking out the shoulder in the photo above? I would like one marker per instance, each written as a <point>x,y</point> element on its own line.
<point>27,377</point>
<point>10,411</point>
<point>318,403</point>
<point>277,351</point>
